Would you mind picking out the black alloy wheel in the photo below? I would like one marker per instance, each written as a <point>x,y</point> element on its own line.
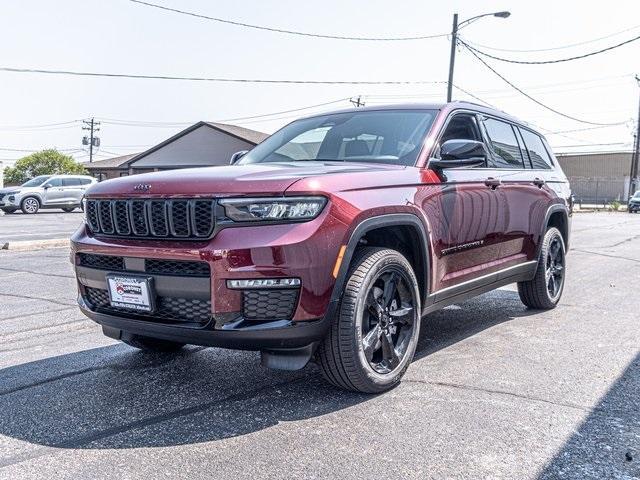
<point>554,268</point>
<point>387,321</point>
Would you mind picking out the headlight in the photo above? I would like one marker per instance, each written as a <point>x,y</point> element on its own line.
<point>273,209</point>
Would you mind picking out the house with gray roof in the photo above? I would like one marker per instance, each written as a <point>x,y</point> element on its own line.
<point>203,144</point>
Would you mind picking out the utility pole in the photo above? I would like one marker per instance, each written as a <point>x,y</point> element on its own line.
<point>454,42</point>
<point>357,102</point>
<point>92,140</point>
<point>635,157</point>
<point>452,59</point>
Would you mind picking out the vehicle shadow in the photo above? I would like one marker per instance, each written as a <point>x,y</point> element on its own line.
<point>607,444</point>
<point>117,397</point>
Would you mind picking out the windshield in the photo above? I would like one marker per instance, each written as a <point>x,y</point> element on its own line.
<point>37,181</point>
<point>382,136</point>
<point>637,195</point>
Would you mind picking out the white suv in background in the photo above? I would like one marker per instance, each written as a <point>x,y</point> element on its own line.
<point>46,191</point>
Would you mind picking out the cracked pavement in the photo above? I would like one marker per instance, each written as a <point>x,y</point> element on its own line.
<point>495,391</point>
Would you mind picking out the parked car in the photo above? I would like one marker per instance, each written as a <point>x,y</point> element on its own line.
<point>331,240</point>
<point>634,203</point>
<point>46,191</point>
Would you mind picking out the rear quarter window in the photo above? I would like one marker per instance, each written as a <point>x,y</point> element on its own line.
<point>538,154</point>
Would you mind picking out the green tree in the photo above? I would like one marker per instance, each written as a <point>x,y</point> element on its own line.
<point>45,162</point>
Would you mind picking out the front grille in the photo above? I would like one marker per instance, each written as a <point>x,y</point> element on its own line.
<point>167,308</point>
<point>269,304</point>
<point>156,267</point>
<point>163,219</point>
<point>101,262</point>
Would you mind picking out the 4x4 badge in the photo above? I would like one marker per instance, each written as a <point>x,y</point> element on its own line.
<point>142,187</point>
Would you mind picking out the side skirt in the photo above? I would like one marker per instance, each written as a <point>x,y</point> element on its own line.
<point>478,286</point>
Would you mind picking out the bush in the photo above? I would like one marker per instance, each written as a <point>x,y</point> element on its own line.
<point>614,206</point>
<point>46,162</point>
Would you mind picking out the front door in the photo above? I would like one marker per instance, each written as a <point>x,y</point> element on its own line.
<point>54,192</point>
<point>469,214</point>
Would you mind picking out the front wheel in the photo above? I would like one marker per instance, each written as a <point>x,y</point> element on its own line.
<point>545,289</point>
<point>30,205</point>
<point>69,209</point>
<point>373,339</point>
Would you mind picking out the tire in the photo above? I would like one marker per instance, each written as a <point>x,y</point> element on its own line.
<point>545,289</point>
<point>9,211</point>
<point>30,205</point>
<point>68,210</point>
<point>365,312</point>
<point>150,344</point>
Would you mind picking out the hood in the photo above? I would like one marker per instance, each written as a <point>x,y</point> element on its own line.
<point>253,179</point>
<point>6,190</point>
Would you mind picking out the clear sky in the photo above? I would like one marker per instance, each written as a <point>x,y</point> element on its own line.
<point>118,36</point>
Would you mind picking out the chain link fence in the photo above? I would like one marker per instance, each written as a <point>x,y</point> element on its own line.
<point>599,191</point>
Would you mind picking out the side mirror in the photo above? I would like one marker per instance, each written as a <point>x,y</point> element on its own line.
<point>46,186</point>
<point>460,153</point>
<point>237,156</point>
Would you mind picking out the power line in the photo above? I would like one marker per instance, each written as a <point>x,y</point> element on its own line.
<point>545,62</point>
<point>581,129</point>
<point>593,145</point>
<point>18,127</point>
<point>209,79</point>
<point>534,99</point>
<point>289,32</point>
<point>561,47</point>
<point>143,123</point>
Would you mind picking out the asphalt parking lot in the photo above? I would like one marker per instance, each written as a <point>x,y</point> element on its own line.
<point>496,390</point>
<point>44,225</point>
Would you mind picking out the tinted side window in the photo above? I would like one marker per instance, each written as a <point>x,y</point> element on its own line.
<point>70,182</point>
<point>503,144</point>
<point>55,182</point>
<point>86,181</point>
<point>537,153</point>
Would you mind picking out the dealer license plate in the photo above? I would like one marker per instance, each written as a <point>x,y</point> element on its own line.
<point>134,293</point>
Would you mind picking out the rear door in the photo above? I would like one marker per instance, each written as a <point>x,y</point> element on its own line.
<point>73,190</point>
<point>522,189</point>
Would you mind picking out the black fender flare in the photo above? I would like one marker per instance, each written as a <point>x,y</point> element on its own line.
<point>372,223</point>
<point>550,211</point>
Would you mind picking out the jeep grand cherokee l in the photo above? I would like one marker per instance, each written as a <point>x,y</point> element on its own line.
<point>331,240</point>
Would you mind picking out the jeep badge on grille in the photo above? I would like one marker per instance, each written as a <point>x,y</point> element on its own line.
<point>142,187</point>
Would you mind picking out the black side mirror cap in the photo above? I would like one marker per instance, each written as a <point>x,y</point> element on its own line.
<point>462,150</point>
<point>237,156</point>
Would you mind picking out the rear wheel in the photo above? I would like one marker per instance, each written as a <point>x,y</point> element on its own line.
<point>151,344</point>
<point>545,290</point>
<point>30,205</point>
<point>373,339</point>
<point>69,209</point>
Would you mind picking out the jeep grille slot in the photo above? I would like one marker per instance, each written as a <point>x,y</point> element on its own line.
<point>152,218</point>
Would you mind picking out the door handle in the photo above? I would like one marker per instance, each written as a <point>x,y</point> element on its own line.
<point>493,183</point>
<point>539,182</point>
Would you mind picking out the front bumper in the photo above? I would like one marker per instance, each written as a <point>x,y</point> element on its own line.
<point>277,251</point>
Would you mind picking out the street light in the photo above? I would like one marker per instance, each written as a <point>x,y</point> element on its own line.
<point>454,40</point>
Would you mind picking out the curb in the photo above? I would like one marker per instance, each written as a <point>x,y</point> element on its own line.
<point>21,246</point>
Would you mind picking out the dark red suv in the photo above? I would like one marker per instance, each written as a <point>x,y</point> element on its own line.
<point>331,240</point>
